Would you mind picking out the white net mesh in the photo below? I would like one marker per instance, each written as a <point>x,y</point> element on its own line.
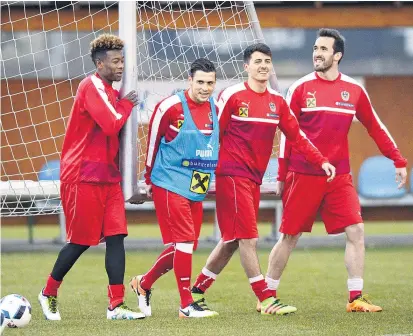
<point>173,34</point>
<point>45,54</point>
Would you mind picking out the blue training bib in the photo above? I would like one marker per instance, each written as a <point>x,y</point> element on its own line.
<point>186,165</point>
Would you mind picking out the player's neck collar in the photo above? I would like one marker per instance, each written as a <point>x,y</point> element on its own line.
<point>328,80</point>
<point>103,80</point>
<point>250,89</point>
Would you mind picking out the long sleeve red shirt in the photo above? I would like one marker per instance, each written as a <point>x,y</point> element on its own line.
<point>91,144</point>
<point>248,122</point>
<point>325,110</point>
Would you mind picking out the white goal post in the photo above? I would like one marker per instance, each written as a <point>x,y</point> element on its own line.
<point>45,54</point>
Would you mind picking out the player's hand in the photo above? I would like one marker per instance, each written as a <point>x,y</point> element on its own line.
<point>330,170</point>
<point>148,189</point>
<point>401,177</point>
<point>279,187</point>
<point>132,97</point>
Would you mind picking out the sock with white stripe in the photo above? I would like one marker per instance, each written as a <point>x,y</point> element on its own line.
<point>162,265</point>
<point>272,285</point>
<point>260,288</point>
<point>205,279</point>
<point>355,287</point>
<point>183,268</point>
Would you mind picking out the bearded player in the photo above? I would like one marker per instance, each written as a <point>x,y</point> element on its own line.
<point>325,103</point>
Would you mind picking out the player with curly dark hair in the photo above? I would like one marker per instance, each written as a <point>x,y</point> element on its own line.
<point>90,189</point>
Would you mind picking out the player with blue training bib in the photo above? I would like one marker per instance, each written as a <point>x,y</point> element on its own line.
<point>182,155</point>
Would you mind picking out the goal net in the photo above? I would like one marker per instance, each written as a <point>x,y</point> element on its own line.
<point>45,54</point>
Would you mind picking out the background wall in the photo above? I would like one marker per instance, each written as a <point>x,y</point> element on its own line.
<point>393,102</point>
<point>39,117</point>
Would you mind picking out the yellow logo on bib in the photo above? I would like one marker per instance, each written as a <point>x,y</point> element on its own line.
<point>200,182</point>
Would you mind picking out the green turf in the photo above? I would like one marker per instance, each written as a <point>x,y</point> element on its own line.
<point>152,230</point>
<point>314,281</point>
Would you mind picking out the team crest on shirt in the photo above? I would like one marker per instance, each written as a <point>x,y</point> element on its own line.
<point>311,102</point>
<point>210,115</point>
<point>272,107</point>
<point>345,95</point>
<point>243,112</point>
<point>180,123</point>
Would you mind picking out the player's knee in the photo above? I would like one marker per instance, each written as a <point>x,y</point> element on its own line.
<point>75,248</point>
<point>231,247</point>
<point>355,233</point>
<point>248,243</point>
<point>116,240</point>
<point>290,240</point>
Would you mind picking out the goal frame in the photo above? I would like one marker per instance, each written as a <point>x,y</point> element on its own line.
<point>134,190</point>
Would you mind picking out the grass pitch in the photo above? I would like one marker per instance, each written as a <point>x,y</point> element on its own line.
<point>151,230</point>
<point>314,281</point>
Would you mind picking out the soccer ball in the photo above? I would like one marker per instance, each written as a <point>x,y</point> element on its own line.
<point>3,322</point>
<point>16,309</point>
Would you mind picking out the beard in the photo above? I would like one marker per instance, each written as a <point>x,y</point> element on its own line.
<point>325,66</point>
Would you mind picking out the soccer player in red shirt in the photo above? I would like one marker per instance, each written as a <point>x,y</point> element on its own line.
<point>181,156</point>
<point>90,189</point>
<point>325,103</point>
<point>249,114</point>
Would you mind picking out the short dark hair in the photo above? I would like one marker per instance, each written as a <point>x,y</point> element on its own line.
<point>103,43</point>
<point>260,47</point>
<point>201,64</point>
<point>339,40</point>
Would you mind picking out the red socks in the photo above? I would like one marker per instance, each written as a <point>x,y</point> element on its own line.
<point>162,265</point>
<point>205,279</point>
<point>260,288</point>
<point>353,295</point>
<point>116,295</point>
<point>51,286</point>
<point>183,267</point>
<point>355,287</point>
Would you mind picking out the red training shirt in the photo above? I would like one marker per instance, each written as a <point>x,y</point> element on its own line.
<point>325,111</point>
<point>248,121</point>
<point>91,144</point>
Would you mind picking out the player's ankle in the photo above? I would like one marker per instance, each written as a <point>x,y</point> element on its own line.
<point>113,307</point>
<point>196,290</point>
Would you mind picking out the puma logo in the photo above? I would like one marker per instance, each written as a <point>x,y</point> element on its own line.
<point>311,102</point>
<point>312,94</point>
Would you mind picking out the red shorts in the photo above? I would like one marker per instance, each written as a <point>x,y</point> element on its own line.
<point>238,200</point>
<point>305,194</point>
<point>179,218</point>
<point>93,211</point>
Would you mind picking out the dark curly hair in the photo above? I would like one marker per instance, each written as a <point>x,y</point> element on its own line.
<point>100,45</point>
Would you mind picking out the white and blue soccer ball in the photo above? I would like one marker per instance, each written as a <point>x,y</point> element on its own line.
<point>16,311</point>
<point>3,322</point>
